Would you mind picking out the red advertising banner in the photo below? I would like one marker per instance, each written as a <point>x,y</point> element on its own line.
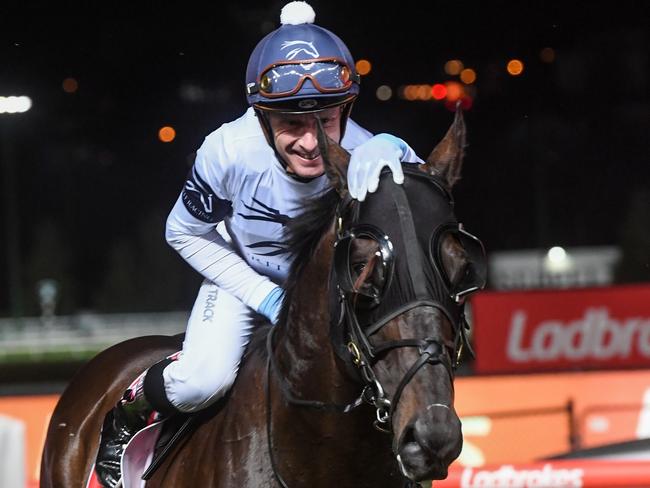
<point>533,331</point>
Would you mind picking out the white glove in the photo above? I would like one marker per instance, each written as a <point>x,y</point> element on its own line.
<point>369,159</point>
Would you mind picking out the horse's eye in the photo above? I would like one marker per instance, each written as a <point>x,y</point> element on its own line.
<point>365,279</point>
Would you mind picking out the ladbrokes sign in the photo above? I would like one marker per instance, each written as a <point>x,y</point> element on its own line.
<point>576,329</point>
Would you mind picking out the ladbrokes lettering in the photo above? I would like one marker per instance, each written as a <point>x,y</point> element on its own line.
<point>507,475</point>
<point>594,336</point>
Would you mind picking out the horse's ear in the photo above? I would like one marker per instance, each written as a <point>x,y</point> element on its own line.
<point>336,160</point>
<point>446,159</point>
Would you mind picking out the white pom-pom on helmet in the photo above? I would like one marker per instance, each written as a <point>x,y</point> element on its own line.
<point>300,67</point>
<point>295,13</point>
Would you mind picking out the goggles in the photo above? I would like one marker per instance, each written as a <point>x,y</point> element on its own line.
<point>287,78</point>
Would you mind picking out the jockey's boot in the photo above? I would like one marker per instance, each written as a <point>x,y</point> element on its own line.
<point>131,414</point>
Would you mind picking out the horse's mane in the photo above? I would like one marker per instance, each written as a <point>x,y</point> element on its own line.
<point>303,232</point>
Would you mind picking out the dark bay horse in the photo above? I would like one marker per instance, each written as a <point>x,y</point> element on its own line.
<point>354,387</point>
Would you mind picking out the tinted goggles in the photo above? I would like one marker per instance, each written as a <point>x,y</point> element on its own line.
<point>474,274</point>
<point>287,78</point>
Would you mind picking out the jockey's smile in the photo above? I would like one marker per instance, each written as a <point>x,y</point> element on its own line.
<point>294,136</point>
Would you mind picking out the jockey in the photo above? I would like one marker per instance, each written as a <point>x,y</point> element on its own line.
<point>250,177</point>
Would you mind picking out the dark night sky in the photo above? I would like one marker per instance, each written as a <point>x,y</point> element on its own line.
<point>558,155</point>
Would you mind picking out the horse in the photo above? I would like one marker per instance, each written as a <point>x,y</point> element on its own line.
<point>354,386</point>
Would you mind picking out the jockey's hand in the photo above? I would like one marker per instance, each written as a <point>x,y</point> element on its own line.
<point>271,305</point>
<point>369,159</point>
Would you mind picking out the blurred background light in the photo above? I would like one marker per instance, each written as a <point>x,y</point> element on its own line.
<point>547,55</point>
<point>363,67</point>
<point>424,92</point>
<point>557,259</point>
<point>166,134</point>
<point>438,91</point>
<point>468,76</point>
<point>515,67</point>
<point>453,67</point>
<point>556,254</point>
<point>13,104</point>
<point>70,85</point>
<point>454,90</point>
<point>410,92</point>
<point>384,93</point>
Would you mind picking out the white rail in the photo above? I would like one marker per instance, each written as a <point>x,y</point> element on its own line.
<point>83,333</point>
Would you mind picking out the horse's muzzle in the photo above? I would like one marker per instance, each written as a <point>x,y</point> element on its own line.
<point>429,443</point>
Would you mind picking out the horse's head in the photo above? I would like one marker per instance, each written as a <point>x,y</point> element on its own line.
<point>403,266</point>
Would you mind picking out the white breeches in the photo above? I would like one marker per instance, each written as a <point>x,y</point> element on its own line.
<point>218,331</point>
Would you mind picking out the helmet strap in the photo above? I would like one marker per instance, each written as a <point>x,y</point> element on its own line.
<point>346,109</point>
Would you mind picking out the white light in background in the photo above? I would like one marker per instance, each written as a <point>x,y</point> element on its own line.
<point>384,93</point>
<point>557,260</point>
<point>13,105</point>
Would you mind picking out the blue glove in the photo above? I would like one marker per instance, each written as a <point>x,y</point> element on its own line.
<point>271,305</point>
<point>369,159</point>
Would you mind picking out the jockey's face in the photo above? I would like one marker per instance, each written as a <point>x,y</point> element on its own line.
<point>296,139</point>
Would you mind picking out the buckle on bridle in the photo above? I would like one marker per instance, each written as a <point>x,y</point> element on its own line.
<point>356,354</point>
<point>383,415</point>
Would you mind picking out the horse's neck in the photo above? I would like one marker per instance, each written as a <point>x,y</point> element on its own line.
<point>304,349</point>
<point>308,367</point>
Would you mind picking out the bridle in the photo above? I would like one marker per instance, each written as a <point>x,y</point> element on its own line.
<point>365,354</point>
<point>353,301</point>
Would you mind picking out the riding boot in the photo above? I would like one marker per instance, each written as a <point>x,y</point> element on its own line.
<point>131,414</point>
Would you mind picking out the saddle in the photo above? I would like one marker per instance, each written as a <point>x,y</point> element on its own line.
<point>176,429</point>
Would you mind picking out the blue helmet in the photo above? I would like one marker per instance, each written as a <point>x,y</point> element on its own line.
<point>300,67</point>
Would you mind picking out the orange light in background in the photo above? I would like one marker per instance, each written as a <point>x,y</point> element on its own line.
<point>515,67</point>
<point>70,85</point>
<point>453,66</point>
<point>468,76</point>
<point>411,92</point>
<point>363,67</point>
<point>166,134</point>
<point>454,91</point>
<point>547,54</point>
<point>438,91</point>
<point>424,92</point>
